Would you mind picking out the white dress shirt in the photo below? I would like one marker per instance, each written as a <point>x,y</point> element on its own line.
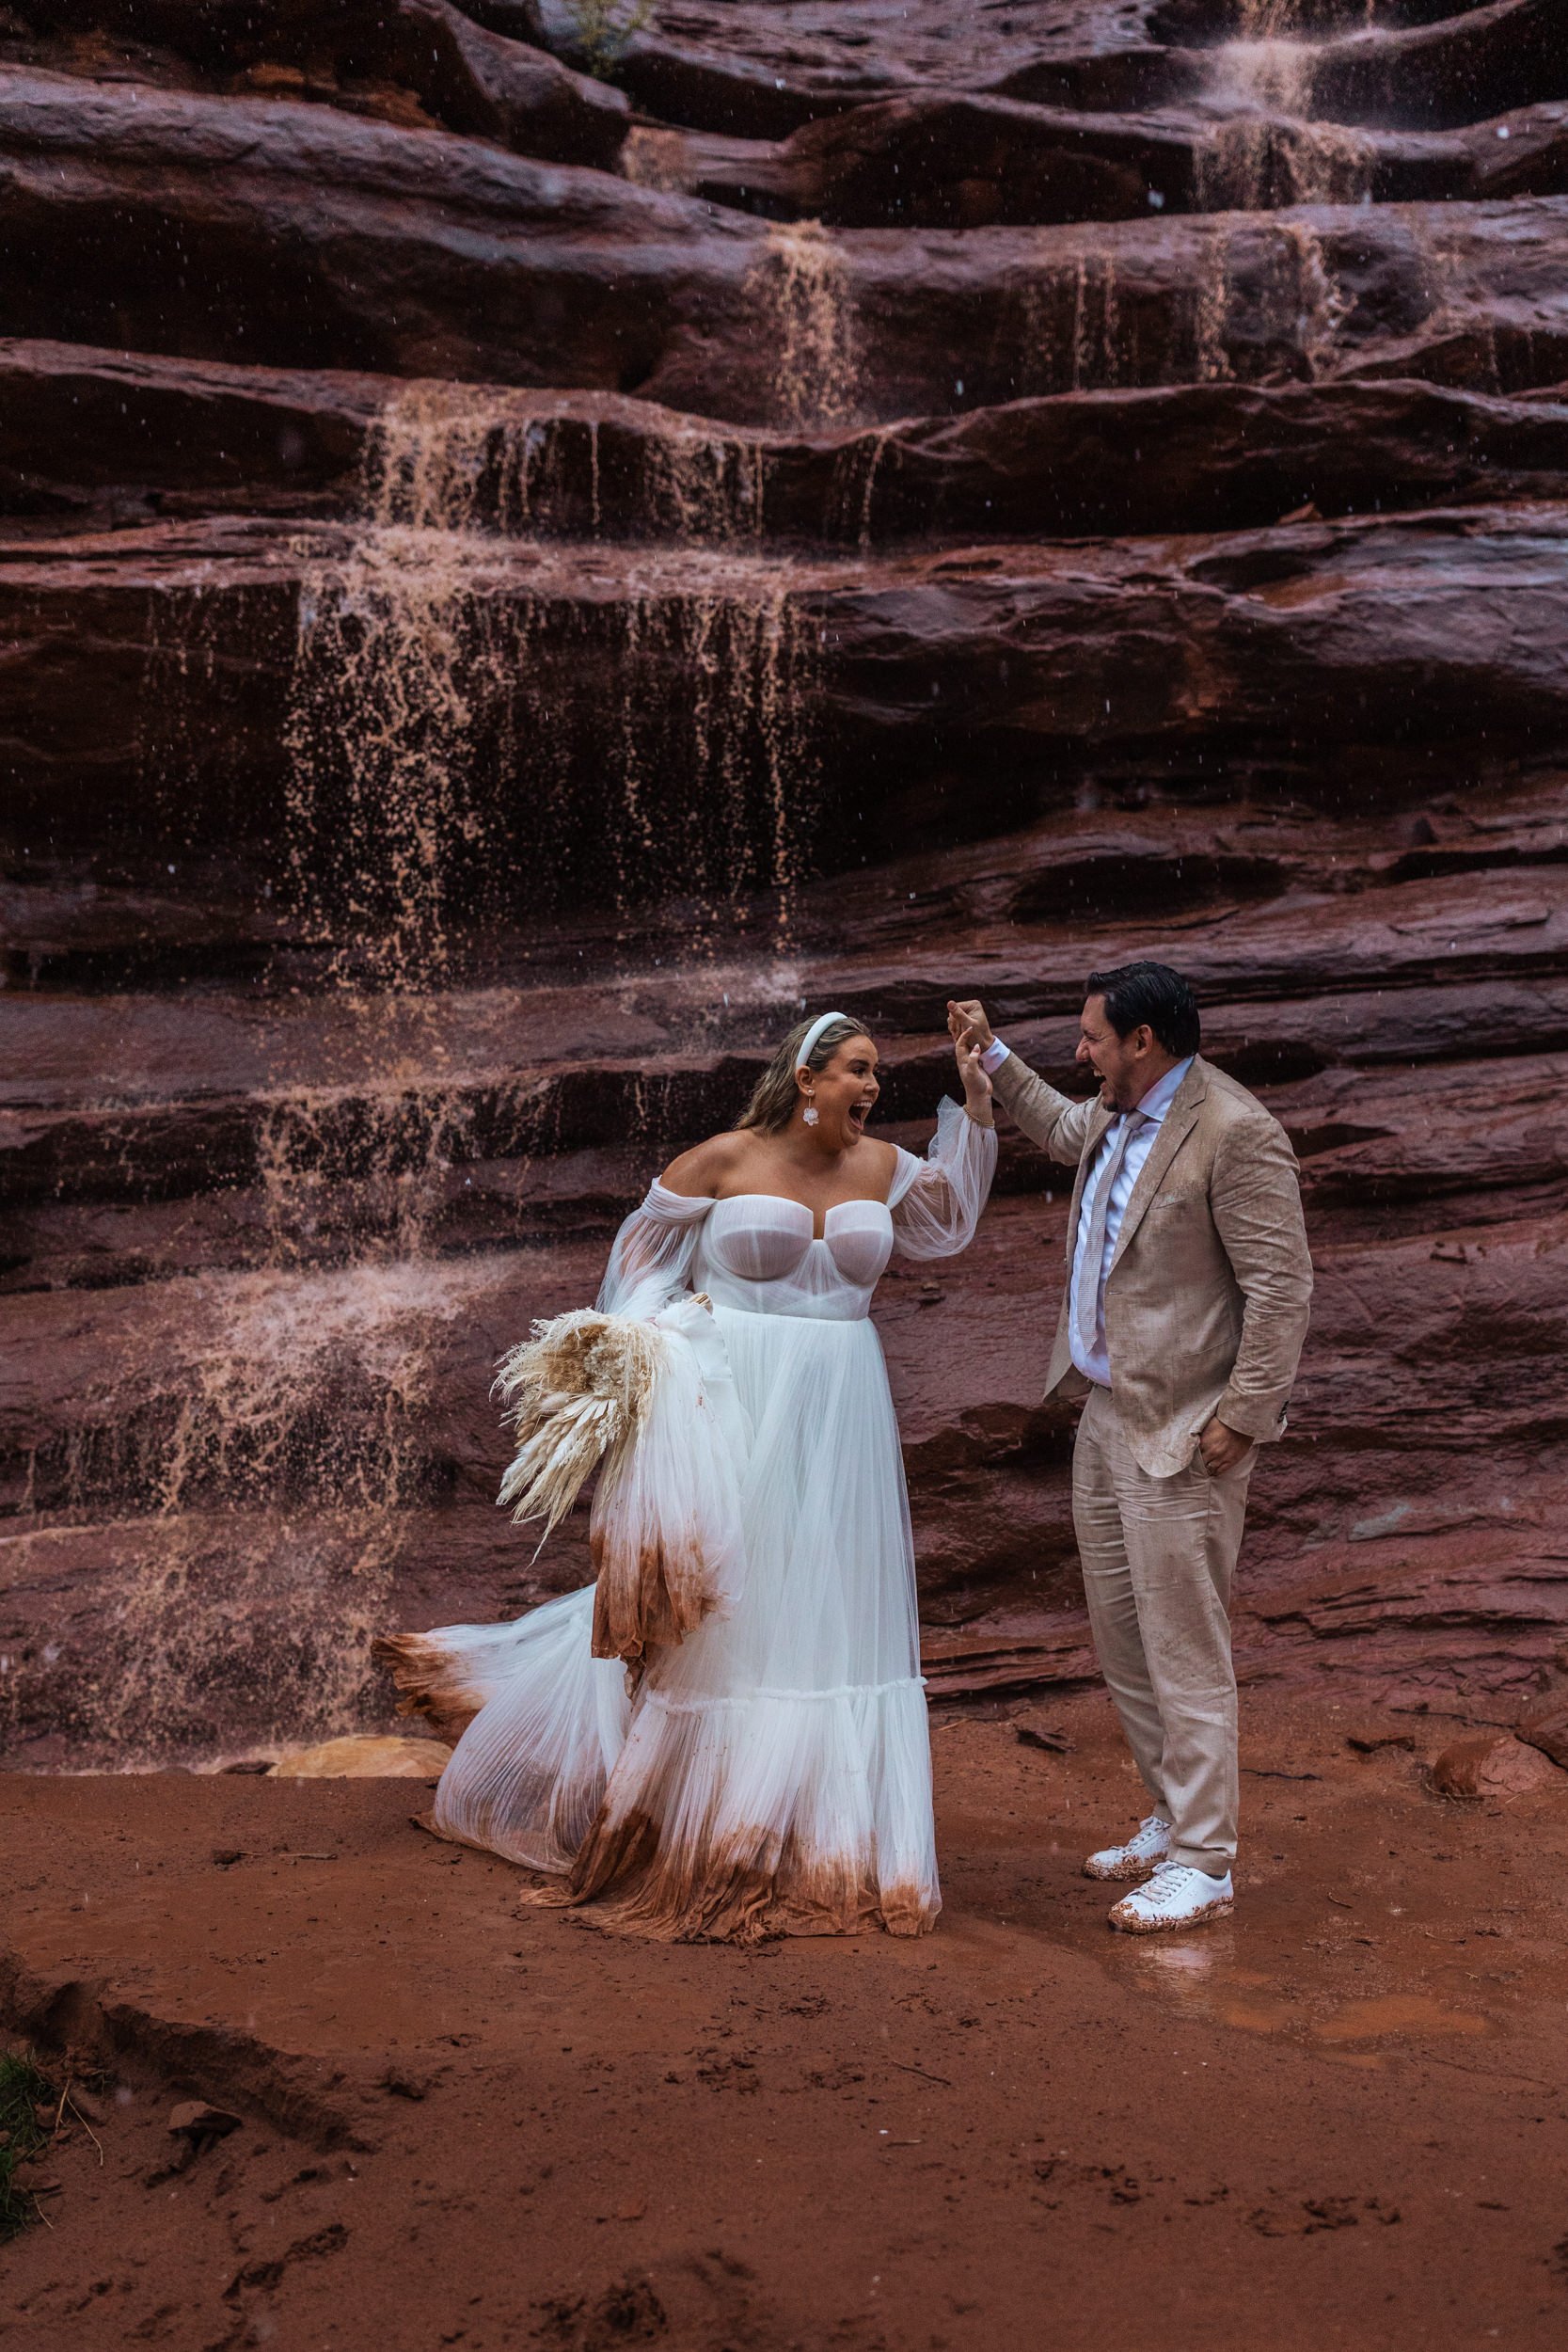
<point>1096,1364</point>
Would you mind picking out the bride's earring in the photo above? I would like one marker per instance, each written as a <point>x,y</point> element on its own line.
<point>811,1113</point>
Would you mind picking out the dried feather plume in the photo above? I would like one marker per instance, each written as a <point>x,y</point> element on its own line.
<point>576,1395</point>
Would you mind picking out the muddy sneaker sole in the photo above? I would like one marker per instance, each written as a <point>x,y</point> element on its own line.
<point>1129,1867</point>
<point>1135,1924</point>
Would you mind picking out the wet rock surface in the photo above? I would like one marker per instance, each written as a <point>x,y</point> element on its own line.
<point>513,582</point>
<point>419,63</point>
<point>246,230</point>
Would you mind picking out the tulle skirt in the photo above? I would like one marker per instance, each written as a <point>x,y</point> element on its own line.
<point>772,1772</point>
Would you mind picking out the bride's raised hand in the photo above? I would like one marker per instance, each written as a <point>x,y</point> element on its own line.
<point>967,1051</point>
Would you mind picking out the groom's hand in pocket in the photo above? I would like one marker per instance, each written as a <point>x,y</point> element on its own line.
<point>1221,1449</point>
<point>967,1024</point>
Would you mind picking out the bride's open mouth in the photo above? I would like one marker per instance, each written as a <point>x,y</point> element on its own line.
<point>858,1114</point>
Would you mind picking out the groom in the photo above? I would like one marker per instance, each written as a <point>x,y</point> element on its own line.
<point>1182,1320</point>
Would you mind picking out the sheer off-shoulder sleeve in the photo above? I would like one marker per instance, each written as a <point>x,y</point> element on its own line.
<point>936,1202</point>
<point>650,1263</point>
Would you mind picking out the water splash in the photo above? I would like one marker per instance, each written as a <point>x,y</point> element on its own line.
<point>1269,19</point>
<point>875,451</point>
<point>382,645</point>
<point>280,1461</point>
<point>1267,150</point>
<point>388,660</point>
<point>454,456</point>
<point>1253,164</point>
<point>1266,73</point>
<point>364,1164</point>
<point>802,289</point>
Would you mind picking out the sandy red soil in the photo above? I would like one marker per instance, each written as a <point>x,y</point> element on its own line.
<point>1339,2120</point>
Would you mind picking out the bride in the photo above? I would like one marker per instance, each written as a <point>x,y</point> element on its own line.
<point>727,1735</point>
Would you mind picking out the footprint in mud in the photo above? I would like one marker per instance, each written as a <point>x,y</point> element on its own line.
<point>702,2299</point>
<point>1114,2181</point>
<point>842,2077</point>
<point>1315,2213</point>
<point>627,2312</point>
<point>728,2071</point>
<point>261,2277</point>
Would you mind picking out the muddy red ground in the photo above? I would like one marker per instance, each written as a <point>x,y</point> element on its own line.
<point>1339,2120</point>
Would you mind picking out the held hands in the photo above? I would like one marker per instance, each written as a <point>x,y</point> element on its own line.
<point>971,1034</point>
<point>967,1023</point>
<point>1221,1449</point>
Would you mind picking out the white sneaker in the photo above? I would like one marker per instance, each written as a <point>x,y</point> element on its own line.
<point>1175,1896</point>
<point>1142,1852</point>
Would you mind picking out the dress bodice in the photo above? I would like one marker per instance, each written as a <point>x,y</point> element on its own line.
<point>759,1253</point>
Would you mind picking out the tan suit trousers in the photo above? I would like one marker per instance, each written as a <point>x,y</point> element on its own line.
<point>1158,1557</point>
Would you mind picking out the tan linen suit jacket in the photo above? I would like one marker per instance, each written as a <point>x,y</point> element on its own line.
<point>1207,1296</point>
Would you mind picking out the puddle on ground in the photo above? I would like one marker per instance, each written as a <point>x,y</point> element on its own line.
<point>1204,1978</point>
<point>1414,2014</point>
<point>1256,2016</point>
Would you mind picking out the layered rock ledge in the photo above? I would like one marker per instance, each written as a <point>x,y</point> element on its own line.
<point>515,582</point>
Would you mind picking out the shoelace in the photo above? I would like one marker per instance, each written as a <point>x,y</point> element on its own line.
<point>1164,1870</point>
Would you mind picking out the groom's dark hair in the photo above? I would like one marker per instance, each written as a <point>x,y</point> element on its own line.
<point>1135,992</point>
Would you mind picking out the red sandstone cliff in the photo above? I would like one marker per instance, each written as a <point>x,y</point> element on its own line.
<point>502,607</point>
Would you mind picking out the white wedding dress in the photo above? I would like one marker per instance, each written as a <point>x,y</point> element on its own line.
<point>771,1772</point>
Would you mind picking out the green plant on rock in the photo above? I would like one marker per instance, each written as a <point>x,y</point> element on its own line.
<point>603,29</point>
<point>23,2091</point>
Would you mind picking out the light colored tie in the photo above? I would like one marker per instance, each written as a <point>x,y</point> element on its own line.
<point>1085,1305</point>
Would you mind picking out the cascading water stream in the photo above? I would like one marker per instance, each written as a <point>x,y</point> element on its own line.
<point>805,285</point>
<point>456,638</point>
<point>1262,296</point>
<point>454,689</point>
<point>1267,149</point>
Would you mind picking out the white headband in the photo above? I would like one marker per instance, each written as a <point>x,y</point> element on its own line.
<point>823,1020</point>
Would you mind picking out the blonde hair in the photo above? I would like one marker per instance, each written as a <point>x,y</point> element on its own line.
<point>774,1095</point>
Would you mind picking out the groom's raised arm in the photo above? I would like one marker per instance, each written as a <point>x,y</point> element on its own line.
<point>1054,1122</point>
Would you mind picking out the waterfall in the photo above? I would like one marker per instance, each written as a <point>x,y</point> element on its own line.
<point>803,297</point>
<point>462,685</point>
<point>483,681</point>
<point>1267,150</point>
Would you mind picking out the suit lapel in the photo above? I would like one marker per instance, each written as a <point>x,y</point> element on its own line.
<point>1176,1126</point>
<point>1092,1142</point>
